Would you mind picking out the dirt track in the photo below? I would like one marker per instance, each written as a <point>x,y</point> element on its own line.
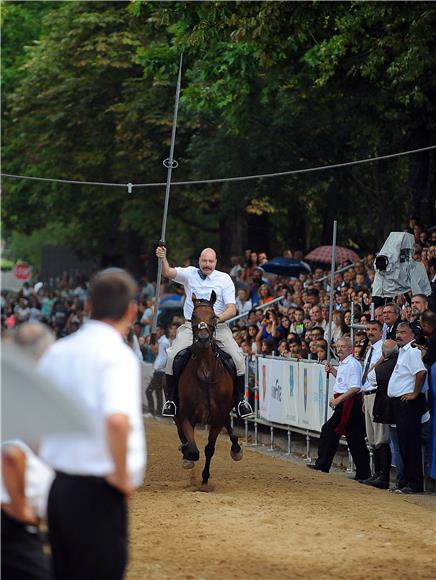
<point>270,519</point>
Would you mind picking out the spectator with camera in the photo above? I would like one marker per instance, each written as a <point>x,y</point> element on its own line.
<point>268,329</point>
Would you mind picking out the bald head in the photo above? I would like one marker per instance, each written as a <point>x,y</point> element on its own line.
<point>389,347</point>
<point>34,338</point>
<point>207,261</point>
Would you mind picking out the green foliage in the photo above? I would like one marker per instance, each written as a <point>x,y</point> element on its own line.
<point>267,86</point>
<point>28,248</point>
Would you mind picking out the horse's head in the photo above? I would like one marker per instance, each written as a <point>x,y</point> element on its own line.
<point>203,320</point>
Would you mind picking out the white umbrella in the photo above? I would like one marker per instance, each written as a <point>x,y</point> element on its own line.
<point>32,405</point>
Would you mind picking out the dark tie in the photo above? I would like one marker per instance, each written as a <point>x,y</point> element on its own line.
<point>368,362</point>
<point>201,274</point>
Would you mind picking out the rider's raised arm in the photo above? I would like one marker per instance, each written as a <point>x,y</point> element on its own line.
<point>167,270</point>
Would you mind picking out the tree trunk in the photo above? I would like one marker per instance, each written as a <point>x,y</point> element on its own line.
<point>230,233</point>
<point>258,233</point>
<point>132,252</point>
<point>297,227</point>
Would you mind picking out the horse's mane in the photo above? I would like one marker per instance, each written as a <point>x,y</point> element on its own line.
<point>201,301</point>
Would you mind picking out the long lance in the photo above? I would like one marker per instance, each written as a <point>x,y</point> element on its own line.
<point>170,164</point>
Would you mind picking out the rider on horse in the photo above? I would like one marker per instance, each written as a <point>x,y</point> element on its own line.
<point>201,281</point>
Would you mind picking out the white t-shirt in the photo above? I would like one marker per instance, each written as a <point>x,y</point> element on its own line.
<point>243,307</point>
<point>38,478</point>
<point>161,359</point>
<point>349,375</point>
<point>409,364</point>
<point>218,281</point>
<point>96,367</point>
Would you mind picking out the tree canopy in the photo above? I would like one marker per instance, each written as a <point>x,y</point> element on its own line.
<point>89,87</point>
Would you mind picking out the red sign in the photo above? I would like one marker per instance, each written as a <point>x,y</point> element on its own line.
<point>22,271</point>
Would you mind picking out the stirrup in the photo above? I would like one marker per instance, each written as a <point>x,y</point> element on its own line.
<point>169,409</point>
<point>244,409</point>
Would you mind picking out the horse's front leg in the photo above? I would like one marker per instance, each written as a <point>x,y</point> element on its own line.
<point>209,451</point>
<point>236,452</point>
<point>180,433</point>
<point>189,448</point>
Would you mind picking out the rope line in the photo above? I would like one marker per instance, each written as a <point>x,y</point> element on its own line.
<point>130,186</point>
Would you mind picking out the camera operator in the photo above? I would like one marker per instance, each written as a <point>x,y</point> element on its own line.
<point>419,305</point>
<point>428,326</point>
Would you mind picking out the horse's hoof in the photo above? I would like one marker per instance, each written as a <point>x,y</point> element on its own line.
<point>237,456</point>
<point>186,464</point>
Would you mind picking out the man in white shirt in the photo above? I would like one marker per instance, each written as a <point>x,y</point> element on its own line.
<point>347,418</point>
<point>202,281</point>
<point>377,433</point>
<point>243,302</point>
<point>408,406</point>
<point>156,382</point>
<point>96,473</point>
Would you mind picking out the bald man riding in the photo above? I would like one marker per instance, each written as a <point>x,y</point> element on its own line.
<point>201,281</point>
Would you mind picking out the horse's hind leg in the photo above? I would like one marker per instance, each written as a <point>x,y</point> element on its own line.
<point>236,452</point>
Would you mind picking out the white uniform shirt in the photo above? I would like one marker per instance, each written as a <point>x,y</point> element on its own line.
<point>161,359</point>
<point>38,478</point>
<point>369,385</point>
<point>371,381</point>
<point>218,281</point>
<point>349,375</point>
<point>96,366</point>
<point>408,365</point>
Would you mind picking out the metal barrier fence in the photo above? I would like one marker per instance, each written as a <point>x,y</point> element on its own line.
<point>285,399</point>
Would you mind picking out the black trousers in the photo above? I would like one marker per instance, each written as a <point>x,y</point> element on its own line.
<point>22,555</point>
<point>407,416</point>
<point>155,386</point>
<point>87,521</point>
<point>355,435</point>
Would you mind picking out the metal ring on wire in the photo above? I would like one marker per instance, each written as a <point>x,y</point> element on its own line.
<point>170,163</point>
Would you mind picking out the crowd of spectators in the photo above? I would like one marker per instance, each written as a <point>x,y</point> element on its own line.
<point>279,316</point>
<point>296,326</point>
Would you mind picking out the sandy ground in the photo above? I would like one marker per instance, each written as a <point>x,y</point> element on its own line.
<point>272,519</point>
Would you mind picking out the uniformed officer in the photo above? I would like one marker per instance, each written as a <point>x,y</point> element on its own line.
<point>201,281</point>
<point>347,418</point>
<point>377,433</point>
<point>408,405</point>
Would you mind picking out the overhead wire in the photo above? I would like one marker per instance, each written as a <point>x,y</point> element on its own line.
<point>131,186</point>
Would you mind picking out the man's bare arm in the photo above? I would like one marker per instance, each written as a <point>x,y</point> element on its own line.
<point>117,431</point>
<point>14,470</point>
<point>228,313</point>
<point>167,270</point>
<point>347,395</point>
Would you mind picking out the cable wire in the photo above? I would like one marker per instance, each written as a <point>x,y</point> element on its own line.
<point>130,186</point>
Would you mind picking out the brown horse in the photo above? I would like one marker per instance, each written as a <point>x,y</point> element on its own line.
<point>205,391</point>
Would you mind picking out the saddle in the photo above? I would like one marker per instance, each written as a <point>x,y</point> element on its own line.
<point>181,360</point>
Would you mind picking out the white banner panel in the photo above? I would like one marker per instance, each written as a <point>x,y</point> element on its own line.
<point>312,395</point>
<point>293,393</point>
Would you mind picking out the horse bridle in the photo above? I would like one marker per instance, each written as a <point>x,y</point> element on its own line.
<point>211,328</point>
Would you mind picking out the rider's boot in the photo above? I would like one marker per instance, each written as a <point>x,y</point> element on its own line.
<point>242,407</point>
<point>170,409</point>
